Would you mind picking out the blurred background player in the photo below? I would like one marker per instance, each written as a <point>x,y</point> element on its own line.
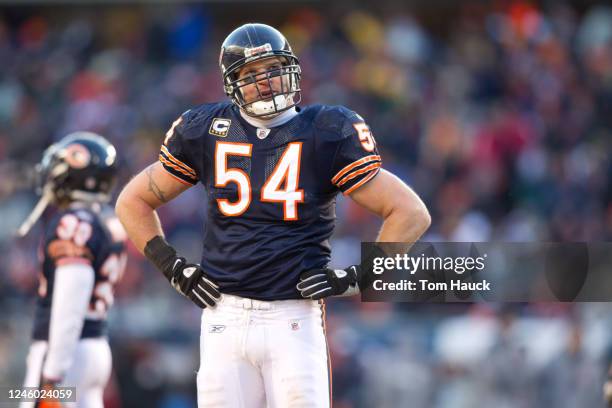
<point>272,171</point>
<point>82,259</point>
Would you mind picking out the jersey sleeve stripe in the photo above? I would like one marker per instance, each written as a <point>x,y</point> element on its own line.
<point>176,168</point>
<point>356,173</point>
<point>354,164</point>
<point>165,159</point>
<point>176,161</point>
<point>362,182</point>
<point>178,178</point>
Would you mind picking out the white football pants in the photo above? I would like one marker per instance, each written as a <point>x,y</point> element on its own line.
<point>257,354</point>
<point>89,372</point>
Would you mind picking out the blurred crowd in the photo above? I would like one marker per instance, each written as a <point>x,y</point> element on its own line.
<point>499,115</point>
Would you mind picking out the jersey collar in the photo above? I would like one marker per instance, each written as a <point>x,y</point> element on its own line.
<point>270,123</point>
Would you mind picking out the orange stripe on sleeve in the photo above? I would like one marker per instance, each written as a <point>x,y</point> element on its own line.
<point>354,164</point>
<point>178,179</point>
<point>362,182</point>
<point>177,161</point>
<point>356,173</point>
<point>175,167</point>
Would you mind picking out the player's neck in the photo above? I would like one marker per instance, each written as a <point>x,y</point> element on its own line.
<point>270,123</point>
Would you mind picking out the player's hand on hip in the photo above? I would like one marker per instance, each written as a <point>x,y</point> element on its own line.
<point>191,281</point>
<point>188,279</point>
<point>320,283</point>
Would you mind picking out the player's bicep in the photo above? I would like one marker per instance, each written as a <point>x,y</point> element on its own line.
<point>384,194</point>
<point>155,186</point>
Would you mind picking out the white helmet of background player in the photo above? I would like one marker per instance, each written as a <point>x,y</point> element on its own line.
<point>80,167</point>
<point>256,42</point>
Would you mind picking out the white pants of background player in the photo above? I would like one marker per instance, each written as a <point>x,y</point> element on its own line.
<point>89,372</point>
<point>263,354</point>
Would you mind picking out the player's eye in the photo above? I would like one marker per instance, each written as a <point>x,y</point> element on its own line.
<point>275,68</point>
<point>247,78</point>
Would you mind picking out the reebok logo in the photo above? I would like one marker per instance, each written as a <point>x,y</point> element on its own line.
<point>216,328</point>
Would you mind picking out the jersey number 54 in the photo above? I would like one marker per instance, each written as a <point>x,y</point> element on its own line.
<point>280,187</point>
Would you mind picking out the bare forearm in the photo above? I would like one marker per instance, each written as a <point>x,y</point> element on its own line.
<point>137,202</point>
<point>405,216</point>
<point>402,227</point>
<point>139,220</point>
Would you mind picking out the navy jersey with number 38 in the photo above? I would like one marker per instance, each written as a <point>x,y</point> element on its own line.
<point>90,235</point>
<point>271,192</point>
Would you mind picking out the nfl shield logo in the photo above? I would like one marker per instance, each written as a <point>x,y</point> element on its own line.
<point>262,133</point>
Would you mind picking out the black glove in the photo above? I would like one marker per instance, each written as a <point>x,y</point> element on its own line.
<point>320,283</point>
<point>190,280</point>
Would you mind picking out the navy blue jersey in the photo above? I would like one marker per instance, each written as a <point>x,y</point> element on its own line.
<point>271,192</point>
<point>91,235</point>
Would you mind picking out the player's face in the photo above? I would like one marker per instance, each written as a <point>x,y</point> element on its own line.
<point>259,84</point>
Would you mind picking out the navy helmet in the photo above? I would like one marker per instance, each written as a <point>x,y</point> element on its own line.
<point>256,42</point>
<point>82,166</point>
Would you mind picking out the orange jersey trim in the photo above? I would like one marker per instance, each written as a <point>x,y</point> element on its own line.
<point>354,164</point>
<point>175,167</point>
<point>362,182</point>
<point>178,178</point>
<point>62,248</point>
<point>356,173</point>
<point>177,161</point>
<point>329,365</point>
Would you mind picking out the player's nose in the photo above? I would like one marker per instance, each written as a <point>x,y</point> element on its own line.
<point>262,79</point>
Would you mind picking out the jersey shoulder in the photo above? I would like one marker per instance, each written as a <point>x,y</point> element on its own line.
<point>334,122</point>
<point>196,121</point>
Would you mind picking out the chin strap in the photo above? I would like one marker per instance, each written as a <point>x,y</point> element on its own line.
<point>271,108</point>
<point>45,199</point>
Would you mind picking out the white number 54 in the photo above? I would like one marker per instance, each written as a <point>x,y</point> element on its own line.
<point>287,172</point>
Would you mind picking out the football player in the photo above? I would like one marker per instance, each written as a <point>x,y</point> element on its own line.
<point>271,171</point>
<point>82,259</point>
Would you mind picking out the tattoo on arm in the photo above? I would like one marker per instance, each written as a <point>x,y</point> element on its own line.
<point>153,187</point>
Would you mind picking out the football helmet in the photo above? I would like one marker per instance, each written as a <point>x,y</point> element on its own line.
<point>256,42</point>
<point>80,167</point>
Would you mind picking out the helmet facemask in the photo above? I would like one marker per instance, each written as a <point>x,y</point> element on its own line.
<point>268,101</point>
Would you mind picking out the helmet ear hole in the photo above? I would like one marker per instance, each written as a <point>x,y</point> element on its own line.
<point>82,163</point>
